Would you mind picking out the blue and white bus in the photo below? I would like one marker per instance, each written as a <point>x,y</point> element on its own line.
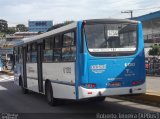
<point>1,65</point>
<point>88,59</point>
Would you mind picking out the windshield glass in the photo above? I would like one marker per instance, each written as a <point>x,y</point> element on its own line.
<point>111,38</point>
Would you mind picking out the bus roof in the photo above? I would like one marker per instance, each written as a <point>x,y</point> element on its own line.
<point>71,26</point>
<point>47,34</point>
<point>112,21</point>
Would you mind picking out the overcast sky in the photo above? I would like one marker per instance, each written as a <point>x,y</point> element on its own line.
<point>20,11</point>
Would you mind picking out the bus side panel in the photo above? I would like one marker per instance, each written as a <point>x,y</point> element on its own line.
<point>18,71</point>
<point>32,77</point>
<point>62,77</point>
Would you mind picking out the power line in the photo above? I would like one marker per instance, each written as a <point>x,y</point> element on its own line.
<point>146,8</point>
<point>128,11</point>
<point>131,11</point>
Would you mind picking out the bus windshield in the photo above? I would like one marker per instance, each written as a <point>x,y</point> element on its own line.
<point>106,39</point>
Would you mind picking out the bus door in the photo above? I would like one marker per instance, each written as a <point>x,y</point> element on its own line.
<point>24,54</point>
<point>32,69</point>
<point>39,66</point>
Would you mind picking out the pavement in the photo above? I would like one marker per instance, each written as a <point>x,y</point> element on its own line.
<point>13,101</point>
<point>152,96</point>
<point>153,85</point>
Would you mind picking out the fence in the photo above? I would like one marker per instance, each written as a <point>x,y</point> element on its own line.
<point>152,66</point>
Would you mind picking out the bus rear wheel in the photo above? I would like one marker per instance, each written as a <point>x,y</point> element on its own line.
<point>49,95</point>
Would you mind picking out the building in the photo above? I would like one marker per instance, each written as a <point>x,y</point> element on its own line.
<point>151,29</point>
<point>39,26</point>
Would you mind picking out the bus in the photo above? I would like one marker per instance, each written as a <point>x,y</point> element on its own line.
<point>88,59</point>
<point>1,65</point>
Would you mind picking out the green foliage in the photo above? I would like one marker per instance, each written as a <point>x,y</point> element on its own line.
<point>11,30</point>
<point>2,34</point>
<point>155,50</point>
<point>3,25</point>
<point>21,28</point>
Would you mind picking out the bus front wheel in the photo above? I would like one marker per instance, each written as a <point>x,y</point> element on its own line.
<point>49,94</point>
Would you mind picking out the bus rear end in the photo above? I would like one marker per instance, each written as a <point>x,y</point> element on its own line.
<point>112,59</point>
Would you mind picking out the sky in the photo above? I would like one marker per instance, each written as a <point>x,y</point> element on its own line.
<point>21,11</point>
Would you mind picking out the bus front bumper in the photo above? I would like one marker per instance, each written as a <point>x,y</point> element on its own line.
<point>88,93</point>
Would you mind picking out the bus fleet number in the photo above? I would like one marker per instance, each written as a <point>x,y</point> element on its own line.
<point>67,70</point>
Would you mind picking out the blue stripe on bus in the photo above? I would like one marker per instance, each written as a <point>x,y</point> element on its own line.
<point>78,47</point>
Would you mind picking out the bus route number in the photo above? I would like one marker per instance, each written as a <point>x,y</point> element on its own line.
<point>67,70</point>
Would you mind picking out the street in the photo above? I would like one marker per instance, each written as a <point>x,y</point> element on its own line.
<point>12,100</point>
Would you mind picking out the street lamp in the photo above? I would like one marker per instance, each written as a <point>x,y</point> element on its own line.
<point>128,11</point>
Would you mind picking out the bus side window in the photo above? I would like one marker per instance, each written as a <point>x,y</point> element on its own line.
<point>48,50</point>
<point>28,53</point>
<point>57,48</point>
<point>16,54</point>
<point>20,55</point>
<point>69,47</point>
<point>34,53</point>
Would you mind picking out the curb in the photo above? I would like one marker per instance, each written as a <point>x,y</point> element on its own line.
<point>148,98</point>
<point>152,75</point>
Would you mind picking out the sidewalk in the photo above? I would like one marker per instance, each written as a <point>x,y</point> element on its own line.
<point>152,96</point>
<point>153,85</point>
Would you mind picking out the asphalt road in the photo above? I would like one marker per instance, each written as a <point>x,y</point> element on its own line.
<point>13,101</point>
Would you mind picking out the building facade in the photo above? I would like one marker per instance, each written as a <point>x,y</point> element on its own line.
<point>151,29</point>
<point>39,26</point>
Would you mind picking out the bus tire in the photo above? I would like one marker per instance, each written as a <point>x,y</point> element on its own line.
<point>24,90</point>
<point>49,94</point>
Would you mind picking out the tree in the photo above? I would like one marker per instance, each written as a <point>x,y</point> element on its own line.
<point>3,25</point>
<point>11,30</point>
<point>155,50</point>
<point>60,25</point>
<point>21,28</point>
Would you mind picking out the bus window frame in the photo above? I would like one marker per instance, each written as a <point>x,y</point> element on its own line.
<point>108,54</point>
<point>70,46</point>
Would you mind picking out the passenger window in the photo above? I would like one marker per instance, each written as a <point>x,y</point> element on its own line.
<point>69,47</point>
<point>57,49</point>
<point>68,39</point>
<point>48,50</point>
<point>34,53</point>
<point>20,55</point>
<point>28,53</point>
<point>16,55</point>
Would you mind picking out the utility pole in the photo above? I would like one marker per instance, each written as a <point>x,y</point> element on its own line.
<point>128,11</point>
